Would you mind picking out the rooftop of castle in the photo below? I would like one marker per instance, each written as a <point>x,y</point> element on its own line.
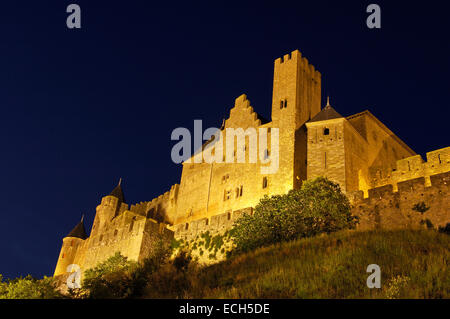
<point>118,192</point>
<point>78,231</point>
<point>328,113</point>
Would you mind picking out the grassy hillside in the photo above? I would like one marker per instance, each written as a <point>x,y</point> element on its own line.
<point>414,264</point>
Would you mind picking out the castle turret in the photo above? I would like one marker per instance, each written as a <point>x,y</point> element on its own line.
<point>326,150</point>
<point>71,244</point>
<point>111,206</point>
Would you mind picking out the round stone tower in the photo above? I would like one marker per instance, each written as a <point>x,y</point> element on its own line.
<point>71,243</point>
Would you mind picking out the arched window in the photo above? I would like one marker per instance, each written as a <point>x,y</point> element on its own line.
<point>326,131</point>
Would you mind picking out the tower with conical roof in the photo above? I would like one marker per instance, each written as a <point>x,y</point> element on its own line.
<point>110,207</point>
<point>335,150</point>
<point>72,244</point>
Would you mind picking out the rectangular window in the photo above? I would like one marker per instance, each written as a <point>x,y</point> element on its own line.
<point>239,191</point>
<point>131,226</point>
<point>226,195</point>
<point>265,183</point>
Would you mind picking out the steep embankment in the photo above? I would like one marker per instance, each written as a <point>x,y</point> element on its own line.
<point>414,264</point>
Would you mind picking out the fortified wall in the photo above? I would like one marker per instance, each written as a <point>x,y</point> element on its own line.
<point>388,184</point>
<point>217,224</point>
<point>412,167</point>
<point>413,182</point>
<point>389,206</point>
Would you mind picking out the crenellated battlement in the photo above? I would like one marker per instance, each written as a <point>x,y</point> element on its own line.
<point>296,56</point>
<point>163,207</point>
<point>357,152</point>
<point>391,208</point>
<point>412,167</point>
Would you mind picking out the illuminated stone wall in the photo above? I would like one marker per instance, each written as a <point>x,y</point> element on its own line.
<point>389,209</point>
<point>380,173</point>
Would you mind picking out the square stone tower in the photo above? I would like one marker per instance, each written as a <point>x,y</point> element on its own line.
<point>296,100</point>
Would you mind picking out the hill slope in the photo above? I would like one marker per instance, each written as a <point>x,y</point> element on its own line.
<point>414,264</point>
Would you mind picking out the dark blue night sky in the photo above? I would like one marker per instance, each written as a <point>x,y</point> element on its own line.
<point>82,108</point>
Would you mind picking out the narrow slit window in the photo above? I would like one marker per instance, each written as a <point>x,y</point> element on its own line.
<point>131,225</point>
<point>265,182</point>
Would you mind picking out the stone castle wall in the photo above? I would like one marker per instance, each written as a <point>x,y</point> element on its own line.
<point>412,167</point>
<point>389,209</point>
<point>217,224</point>
<point>383,177</point>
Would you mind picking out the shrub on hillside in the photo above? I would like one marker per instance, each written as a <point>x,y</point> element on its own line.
<point>117,277</point>
<point>28,288</point>
<point>317,207</point>
<point>445,230</point>
<point>172,280</point>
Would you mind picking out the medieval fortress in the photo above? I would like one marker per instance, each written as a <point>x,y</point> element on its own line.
<point>382,176</point>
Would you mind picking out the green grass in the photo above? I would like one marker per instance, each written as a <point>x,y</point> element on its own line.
<point>414,264</point>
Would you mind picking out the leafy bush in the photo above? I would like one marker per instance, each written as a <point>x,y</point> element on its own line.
<point>428,223</point>
<point>317,207</point>
<point>421,208</point>
<point>28,288</point>
<point>445,230</point>
<point>110,279</point>
<point>117,277</point>
<point>182,260</point>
